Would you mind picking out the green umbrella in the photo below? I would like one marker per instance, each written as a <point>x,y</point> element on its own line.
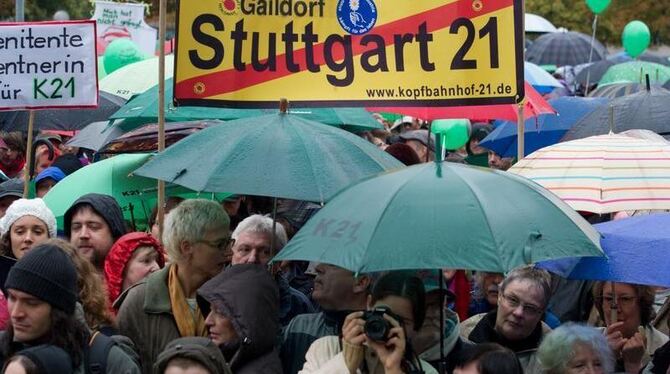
<point>277,155</point>
<point>136,195</point>
<point>144,109</point>
<point>635,71</point>
<point>438,215</point>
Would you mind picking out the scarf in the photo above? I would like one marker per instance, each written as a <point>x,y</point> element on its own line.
<point>189,323</point>
<point>485,332</point>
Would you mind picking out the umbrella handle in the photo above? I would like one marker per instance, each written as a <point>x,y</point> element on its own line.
<point>50,147</point>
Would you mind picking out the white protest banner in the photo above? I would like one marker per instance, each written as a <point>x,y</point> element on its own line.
<point>48,65</point>
<point>124,20</point>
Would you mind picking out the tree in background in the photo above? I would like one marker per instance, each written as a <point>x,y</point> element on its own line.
<point>575,15</point>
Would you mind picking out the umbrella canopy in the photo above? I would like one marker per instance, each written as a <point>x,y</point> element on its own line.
<point>539,24</point>
<point>62,119</point>
<point>135,78</point>
<point>136,195</point>
<point>145,138</point>
<point>636,249</point>
<point>635,71</point>
<point>143,109</point>
<point>278,155</point>
<point>615,90</point>
<point>647,110</point>
<point>564,48</point>
<point>603,174</point>
<point>544,130</point>
<point>594,72</point>
<point>437,215</point>
<point>95,135</point>
<point>539,78</point>
<point>534,105</point>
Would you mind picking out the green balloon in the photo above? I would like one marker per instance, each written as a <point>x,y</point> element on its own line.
<point>101,68</point>
<point>121,52</point>
<point>598,6</point>
<point>453,132</point>
<point>635,38</point>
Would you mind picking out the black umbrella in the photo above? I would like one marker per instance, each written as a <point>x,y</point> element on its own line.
<point>564,48</point>
<point>593,72</point>
<point>651,57</point>
<point>615,90</point>
<point>62,119</point>
<point>648,109</point>
<point>667,85</point>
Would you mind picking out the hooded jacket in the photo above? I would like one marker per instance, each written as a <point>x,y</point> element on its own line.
<point>199,349</point>
<point>119,256</point>
<point>105,206</point>
<point>247,295</point>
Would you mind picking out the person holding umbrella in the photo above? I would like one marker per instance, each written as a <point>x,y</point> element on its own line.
<point>627,310</point>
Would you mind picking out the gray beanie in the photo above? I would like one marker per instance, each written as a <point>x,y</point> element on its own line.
<point>47,273</point>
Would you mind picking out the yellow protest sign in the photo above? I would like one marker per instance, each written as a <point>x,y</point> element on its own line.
<point>250,53</point>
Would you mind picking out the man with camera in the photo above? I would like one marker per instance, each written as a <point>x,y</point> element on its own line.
<point>376,341</point>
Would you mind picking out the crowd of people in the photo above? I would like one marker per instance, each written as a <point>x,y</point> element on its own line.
<point>99,296</point>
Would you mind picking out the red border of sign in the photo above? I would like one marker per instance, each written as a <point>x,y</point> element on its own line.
<point>97,88</point>
<point>518,12</point>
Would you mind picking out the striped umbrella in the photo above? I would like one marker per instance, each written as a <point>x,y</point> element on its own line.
<point>604,173</point>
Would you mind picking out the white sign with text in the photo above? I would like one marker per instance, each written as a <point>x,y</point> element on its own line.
<point>48,65</point>
<point>124,20</point>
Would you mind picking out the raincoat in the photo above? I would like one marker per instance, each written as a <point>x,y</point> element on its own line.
<point>247,295</point>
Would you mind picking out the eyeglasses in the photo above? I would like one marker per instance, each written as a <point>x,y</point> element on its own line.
<point>514,302</point>
<point>222,245</point>
<point>623,300</point>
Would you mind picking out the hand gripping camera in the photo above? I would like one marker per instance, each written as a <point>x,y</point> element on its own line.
<point>376,326</point>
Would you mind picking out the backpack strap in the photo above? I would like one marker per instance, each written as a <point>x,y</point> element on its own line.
<point>98,350</point>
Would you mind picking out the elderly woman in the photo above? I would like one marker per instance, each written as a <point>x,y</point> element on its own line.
<point>630,336</point>
<point>575,349</point>
<point>26,223</point>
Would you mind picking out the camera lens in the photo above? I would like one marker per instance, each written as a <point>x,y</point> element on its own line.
<point>377,328</point>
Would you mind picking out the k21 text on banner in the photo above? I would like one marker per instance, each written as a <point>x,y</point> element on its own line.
<point>48,65</point>
<point>249,53</point>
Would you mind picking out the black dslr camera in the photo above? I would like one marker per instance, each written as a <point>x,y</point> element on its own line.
<point>376,326</point>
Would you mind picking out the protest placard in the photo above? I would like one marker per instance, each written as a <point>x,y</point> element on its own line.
<point>48,65</point>
<point>249,53</point>
<point>123,20</point>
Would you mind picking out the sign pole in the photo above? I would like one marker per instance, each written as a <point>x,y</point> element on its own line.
<point>520,118</point>
<point>161,110</point>
<point>20,11</point>
<point>29,154</point>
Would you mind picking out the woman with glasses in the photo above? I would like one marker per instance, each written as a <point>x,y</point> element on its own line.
<point>376,341</point>
<point>516,323</point>
<point>627,310</point>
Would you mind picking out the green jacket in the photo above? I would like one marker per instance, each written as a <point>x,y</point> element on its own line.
<point>145,316</point>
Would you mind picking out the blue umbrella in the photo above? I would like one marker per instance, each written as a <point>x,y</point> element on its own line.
<point>539,78</point>
<point>636,249</point>
<point>544,130</point>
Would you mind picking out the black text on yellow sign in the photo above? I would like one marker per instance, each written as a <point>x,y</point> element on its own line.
<point>248,53</point>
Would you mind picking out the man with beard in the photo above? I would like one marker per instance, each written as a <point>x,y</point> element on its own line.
<point>92,225</point>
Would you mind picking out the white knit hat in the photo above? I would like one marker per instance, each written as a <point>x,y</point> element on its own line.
<point>28,207</point>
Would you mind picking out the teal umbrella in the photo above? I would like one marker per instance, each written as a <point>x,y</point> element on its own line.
<point>277,155</point>
<point>136,195</point>
<point>143,109</point>
<point>635,71</point>
<point>438,215</point>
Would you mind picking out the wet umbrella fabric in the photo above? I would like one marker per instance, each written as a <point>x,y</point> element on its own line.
<point>136,195</point>
<point>564,48</point>
<point>145,138</point>
<point>543,131</point>
<point>648,110</point>
<point>538,24</point>
<point>277,155</point>
<point>539,78</point>
<point>95,135</point>
<point>62,119</point>
<point>143,109</point>
<point>636,249</point>
<point>437,215</point>
<point>615,90</point>
<point>136,78</point>
<point>635,71</point>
